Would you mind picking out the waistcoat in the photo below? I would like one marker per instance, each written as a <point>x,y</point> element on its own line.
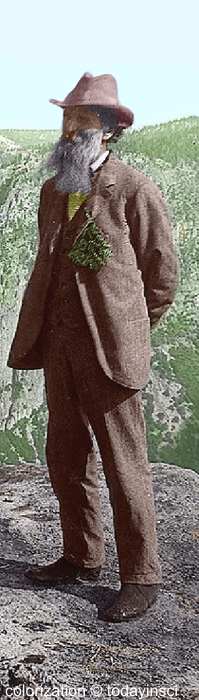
<point>63,305</point>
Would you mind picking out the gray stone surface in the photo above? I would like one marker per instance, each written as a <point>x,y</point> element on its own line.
<point>51,637</point>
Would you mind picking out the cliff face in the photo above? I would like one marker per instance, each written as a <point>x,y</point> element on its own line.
<point>51,636</point>
<point>170,398</point>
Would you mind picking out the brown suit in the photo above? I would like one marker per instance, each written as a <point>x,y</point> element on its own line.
<point>91,333</point>
<point>128,294</point>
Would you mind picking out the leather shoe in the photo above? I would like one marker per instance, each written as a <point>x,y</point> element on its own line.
<point>132,601</point>
<point>62,571</point>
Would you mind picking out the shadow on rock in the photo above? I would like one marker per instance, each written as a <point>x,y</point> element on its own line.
<point>12,575</point>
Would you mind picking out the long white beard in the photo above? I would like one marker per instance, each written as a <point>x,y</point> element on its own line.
<point>72,160</point>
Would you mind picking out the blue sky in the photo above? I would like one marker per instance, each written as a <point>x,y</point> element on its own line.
<point>151,48</point>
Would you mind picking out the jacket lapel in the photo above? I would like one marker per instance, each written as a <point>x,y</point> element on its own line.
<point>103,180</point>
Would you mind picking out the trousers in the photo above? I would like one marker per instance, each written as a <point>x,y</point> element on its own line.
<point>80,396</point>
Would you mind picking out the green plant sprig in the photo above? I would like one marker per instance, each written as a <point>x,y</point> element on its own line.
<point>90,249</point>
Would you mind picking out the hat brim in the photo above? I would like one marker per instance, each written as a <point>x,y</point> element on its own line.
<point>125,117</point>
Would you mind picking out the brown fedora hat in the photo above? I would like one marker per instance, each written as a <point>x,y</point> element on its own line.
<point>101,91</point>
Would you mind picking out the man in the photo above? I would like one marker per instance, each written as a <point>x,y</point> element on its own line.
<point>106,271</point>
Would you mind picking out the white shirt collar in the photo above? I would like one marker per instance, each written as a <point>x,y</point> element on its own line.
<point>103,156</point>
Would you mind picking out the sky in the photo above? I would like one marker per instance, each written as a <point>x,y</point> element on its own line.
<point>150,47</point>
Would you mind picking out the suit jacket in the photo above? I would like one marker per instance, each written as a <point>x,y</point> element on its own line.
<point>129,294</point>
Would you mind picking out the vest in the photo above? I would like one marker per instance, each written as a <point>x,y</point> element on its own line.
<point>63,305</point>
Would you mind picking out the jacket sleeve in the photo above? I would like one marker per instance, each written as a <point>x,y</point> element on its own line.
<point>151,238</point>
<point>40,213</point>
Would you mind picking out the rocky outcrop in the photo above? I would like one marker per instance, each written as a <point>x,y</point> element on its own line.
<point>52,638</point>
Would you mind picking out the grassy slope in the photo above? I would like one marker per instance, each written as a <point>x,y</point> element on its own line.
<point>174,141</point>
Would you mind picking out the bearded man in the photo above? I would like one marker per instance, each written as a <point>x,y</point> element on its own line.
<point>106,271</point>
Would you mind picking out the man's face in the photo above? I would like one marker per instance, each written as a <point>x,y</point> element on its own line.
<point>80,145</point>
